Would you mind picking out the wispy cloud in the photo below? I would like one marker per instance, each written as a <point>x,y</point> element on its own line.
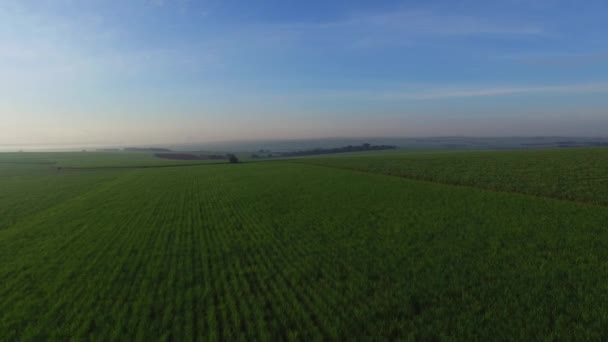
<point>575,59</point>
<point>446,93</point>
<point>428,22</point>
<point>405,27</point>
<point>162,3</point>
<point>429,92</point>
<point>38,48</point>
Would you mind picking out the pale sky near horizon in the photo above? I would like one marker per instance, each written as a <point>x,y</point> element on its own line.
<point>186,71</point>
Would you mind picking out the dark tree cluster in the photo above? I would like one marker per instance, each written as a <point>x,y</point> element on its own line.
<point>232,158</point>
<point>190,156</point>
<point>349,148</point>
<point>146,149</point>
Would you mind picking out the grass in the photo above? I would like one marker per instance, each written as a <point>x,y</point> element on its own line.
<point>285,250</point>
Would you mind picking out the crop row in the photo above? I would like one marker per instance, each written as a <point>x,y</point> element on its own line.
<point>284,251</point>
<point>578,174</point>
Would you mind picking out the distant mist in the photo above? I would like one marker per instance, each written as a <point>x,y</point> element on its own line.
<point>289,145</point>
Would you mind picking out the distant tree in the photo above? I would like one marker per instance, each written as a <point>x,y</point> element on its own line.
<point>349,148</point>
<point>232,158</point>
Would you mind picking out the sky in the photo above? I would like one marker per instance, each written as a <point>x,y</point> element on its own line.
<point>112,72</point>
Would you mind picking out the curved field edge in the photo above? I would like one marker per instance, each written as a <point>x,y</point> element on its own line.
<point>28,190</point>
<point>89,160</point>
<point>278,251</point>
<point>570,174</point>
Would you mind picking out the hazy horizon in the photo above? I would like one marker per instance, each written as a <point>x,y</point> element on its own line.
<point>154,72</point>
<point>293,144</point>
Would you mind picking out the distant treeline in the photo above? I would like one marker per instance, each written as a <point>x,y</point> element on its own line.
<point>583,144</point>
<point>191,156</point>
<point>349,148</point>
<point>134,149</point>
<point>146,149</point>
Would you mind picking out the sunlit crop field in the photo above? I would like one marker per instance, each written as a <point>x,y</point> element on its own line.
<point>574,174</point>
<point>286,250</point>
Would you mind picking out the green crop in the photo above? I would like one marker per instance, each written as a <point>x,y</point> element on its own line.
<point>284,250</point>
<point>572,174</point>
<point>92,160</point>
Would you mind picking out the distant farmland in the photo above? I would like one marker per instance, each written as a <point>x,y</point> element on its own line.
<point>377,245</point>
<point>574,174</point>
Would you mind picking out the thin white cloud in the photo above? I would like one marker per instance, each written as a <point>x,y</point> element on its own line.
<point>181,5</point>
<point>561,60</point>
<point>437,92</point>
<point>401,27</point>
<point>447,93</point>
<point>427,22</point>
<point>39,48</point>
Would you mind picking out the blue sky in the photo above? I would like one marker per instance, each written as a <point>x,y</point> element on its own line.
<point>177,71</point>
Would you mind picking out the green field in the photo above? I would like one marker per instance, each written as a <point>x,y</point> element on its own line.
<point>573,174</point>
<point>309,248</point>
<point>82,160</point>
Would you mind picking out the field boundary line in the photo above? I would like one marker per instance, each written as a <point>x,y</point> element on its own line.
<point>71,168</point>
<point>589,204</point>
<point>63,205</point>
